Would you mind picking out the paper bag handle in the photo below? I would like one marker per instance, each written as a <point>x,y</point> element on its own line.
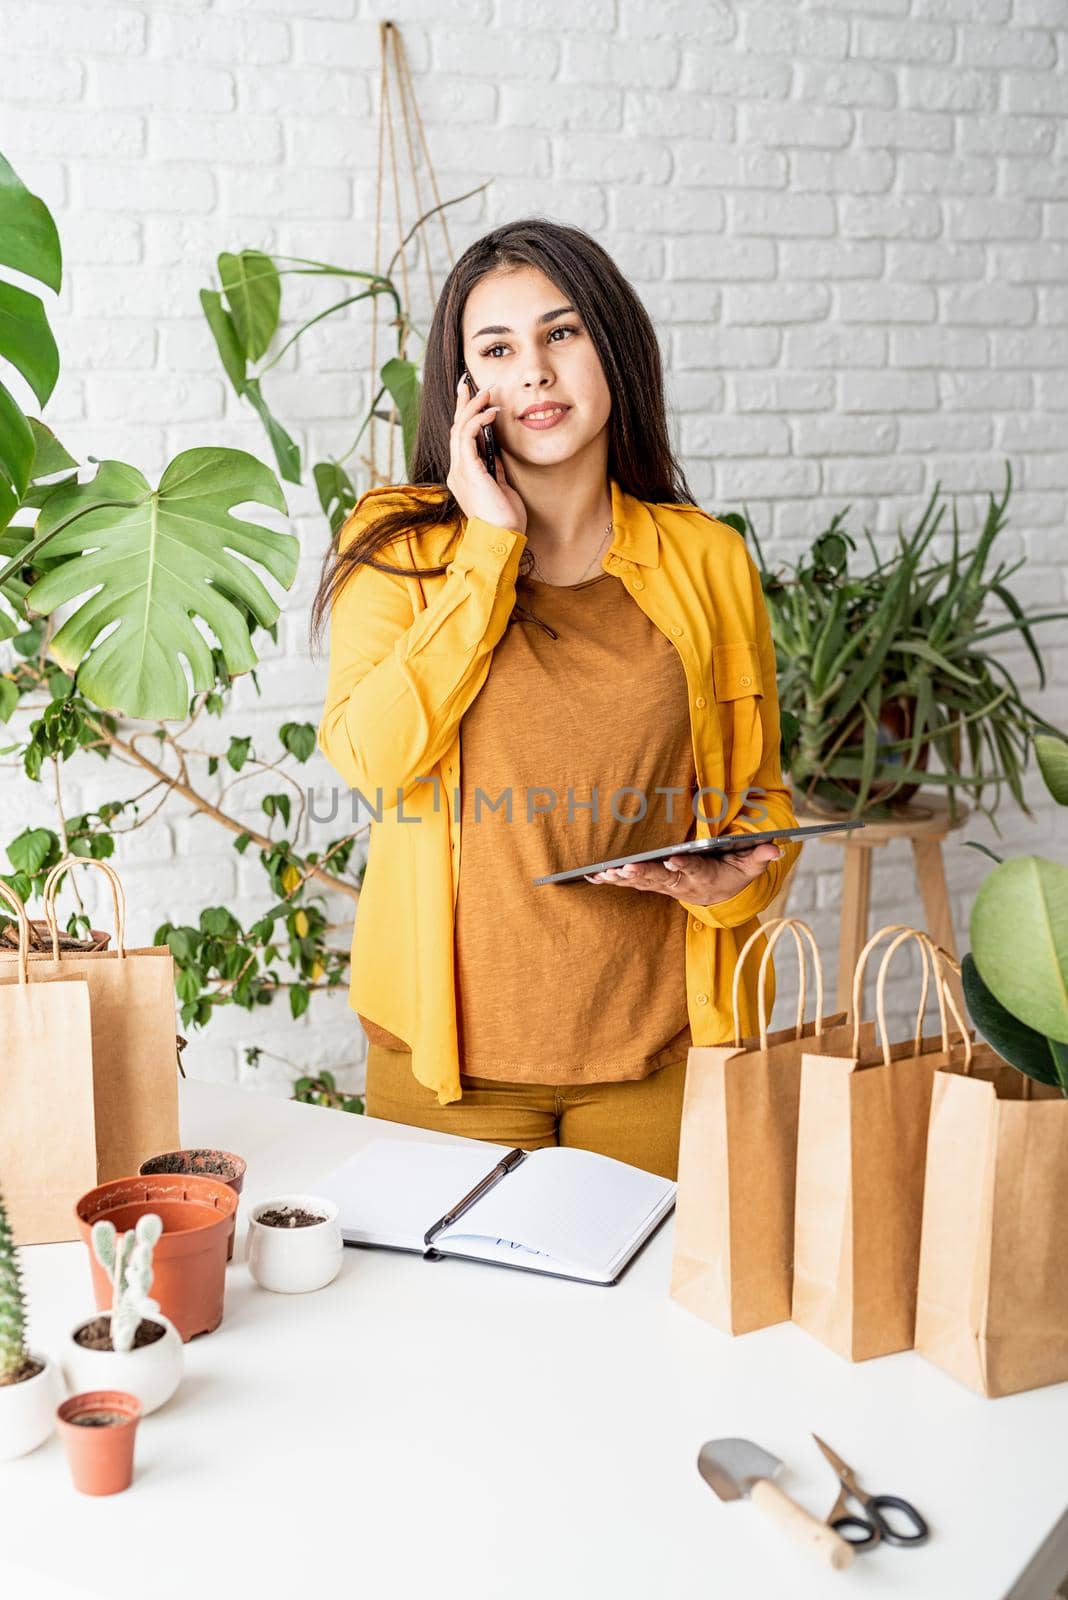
<point>943,994</point>
<point>778,926</point>
<point>944,959</point>
<point>8,894</point>
<point>118,899</point>
<point>930,968</point>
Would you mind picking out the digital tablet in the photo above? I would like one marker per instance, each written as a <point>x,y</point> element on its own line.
<point>719,845</point>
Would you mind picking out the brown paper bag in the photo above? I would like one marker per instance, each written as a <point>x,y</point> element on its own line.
<point>862,1142</point>
<point>734,1209</point>
<point>992,1305</point>
<point>135,1059</point>
<point>47,1132</point>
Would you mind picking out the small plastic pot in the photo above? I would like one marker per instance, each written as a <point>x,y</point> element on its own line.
<point>28,1410</point>
<point>189,1261</point>
<point>152,1372</point>
<point>295,1260</point>
<point>100,1458</point>
<point>207,1164</point>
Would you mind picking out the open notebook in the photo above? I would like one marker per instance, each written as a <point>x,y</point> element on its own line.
<point>561,1211</point>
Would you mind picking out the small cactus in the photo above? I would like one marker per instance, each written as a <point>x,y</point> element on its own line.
<point>127,1258</point>
<point>13,1353</point>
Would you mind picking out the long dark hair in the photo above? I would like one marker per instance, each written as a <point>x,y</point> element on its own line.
<point>640,457</point>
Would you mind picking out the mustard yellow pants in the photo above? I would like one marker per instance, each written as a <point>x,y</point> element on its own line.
<point>637,1122</point>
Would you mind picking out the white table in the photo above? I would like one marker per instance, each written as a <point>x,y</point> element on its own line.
<point>451,1429</point>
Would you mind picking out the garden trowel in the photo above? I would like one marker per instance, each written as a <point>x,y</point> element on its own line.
<point>737,1469</point>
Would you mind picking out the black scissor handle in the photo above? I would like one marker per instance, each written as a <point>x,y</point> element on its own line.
<point>865,1535</point>
<point>879,1504</point>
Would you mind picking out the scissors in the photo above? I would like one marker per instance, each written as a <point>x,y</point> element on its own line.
<point>864,1532</point>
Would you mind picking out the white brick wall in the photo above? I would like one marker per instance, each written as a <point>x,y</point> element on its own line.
<point>849,221</point>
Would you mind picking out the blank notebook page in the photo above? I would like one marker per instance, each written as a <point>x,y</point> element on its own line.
<point>582,1210</point>
<point>393,1190</point>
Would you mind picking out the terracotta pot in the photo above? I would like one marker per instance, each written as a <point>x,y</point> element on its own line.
<point>207,1163</point>
<point>100,1458</point>
<point>189,1261</point>
<point>895,722</point>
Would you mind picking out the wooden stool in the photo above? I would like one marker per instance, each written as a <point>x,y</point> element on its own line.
<point>925,822</point>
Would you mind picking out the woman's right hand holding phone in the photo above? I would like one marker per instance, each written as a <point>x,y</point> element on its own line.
<point>475,491</point>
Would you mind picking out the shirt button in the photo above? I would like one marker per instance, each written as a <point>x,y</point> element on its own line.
<point>638,584</point>
<point>500,549</point>
<point>702,999</point>
<point>745,682</point>
<point>697,924</point>
<point>676,631</point>
<point>700,701</point>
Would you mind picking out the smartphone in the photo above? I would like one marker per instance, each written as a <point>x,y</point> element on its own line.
<point>488,450</point>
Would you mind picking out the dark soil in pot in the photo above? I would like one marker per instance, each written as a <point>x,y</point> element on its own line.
<point>289,1217</point>
<point>29,1369</point>
<point>96,1335</point>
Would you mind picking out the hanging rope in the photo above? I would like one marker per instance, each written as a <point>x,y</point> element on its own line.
<point>389,34</point>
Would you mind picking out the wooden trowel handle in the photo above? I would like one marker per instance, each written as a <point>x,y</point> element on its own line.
<point>802,1525</point>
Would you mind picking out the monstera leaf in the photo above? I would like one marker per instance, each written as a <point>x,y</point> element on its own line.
<point>29,244</point>
<point>49,460</point>
<point>158,558</point>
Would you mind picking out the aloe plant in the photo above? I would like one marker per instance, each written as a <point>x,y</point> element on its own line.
<point>13,1352</point>
<point>128,1258</point>
<point>913,631</point>
<point>1016,974</point>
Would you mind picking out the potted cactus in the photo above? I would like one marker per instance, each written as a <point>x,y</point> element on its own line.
<point>1016,975</point>
<point>133,1347</point>
<point>30,1384</point>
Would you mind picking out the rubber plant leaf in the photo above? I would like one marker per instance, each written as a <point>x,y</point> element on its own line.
<point>1024,1048</point>
<point>172,555</point>
<point>1019,938</point>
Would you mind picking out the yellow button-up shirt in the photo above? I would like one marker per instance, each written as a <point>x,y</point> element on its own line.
<point>409,655</point>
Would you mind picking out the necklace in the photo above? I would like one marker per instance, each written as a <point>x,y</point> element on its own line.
<point>544,579</point>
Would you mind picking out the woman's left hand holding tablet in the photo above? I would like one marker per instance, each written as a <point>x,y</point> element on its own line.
<point>701,881</point>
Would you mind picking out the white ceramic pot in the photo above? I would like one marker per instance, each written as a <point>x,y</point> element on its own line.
<point>152,1373</point>
<point>294,1260</point>
<point>28,1410</point>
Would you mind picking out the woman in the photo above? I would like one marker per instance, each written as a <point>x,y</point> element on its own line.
<point>597,650</point>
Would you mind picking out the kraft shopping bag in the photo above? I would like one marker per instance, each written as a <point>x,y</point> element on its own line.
<point>992,1304</point>
<point>47,1124</point>
<point>132,1008</point>
<point>734,1211</point>
<point>861,1151</point>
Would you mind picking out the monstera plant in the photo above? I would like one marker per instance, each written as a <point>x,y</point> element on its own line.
<point>165,602</point>
<point>1016,974</point>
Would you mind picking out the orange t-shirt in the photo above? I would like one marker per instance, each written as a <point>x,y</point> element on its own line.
<point>576,982</point>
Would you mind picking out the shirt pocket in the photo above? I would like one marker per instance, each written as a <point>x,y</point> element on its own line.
<point>738,686</point>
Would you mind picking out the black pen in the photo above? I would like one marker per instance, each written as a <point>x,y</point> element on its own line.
<point>501,1170</point>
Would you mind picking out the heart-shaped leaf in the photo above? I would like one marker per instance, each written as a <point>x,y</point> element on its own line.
<point>162,558</point>
<point>1019,936</point>
<point>253,292</point>
<point>1052,757</point>
<point>402,381</point>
